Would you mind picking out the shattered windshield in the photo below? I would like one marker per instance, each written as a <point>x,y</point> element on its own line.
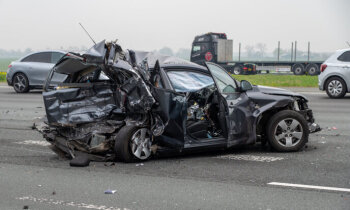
<point>188,81</point>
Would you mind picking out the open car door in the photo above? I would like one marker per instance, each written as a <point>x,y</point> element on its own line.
<point>236,109</point>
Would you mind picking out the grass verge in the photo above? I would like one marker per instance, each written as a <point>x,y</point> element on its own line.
<point>2,76</point>
<point>280,80</point>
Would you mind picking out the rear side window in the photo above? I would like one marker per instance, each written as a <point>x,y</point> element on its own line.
<point>44,57</point>
<point>56,56</point>
<point>344,57</point>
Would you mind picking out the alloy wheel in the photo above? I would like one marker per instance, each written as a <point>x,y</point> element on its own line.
<point>335,88</point>
<point>20,83</point>
<point>288,132</point>
<point>141,143</point>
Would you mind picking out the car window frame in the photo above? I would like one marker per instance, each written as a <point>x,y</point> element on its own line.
<point>217,86</point>
<point>34,54</point>
<point>347,54</point>
<point>61,53</point>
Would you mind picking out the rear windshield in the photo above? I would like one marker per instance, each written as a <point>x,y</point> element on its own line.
<point>189,81</point>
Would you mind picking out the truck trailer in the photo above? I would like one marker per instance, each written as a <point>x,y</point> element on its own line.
<point>216,48</point>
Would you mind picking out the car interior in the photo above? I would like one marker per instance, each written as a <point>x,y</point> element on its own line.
<point>203,110</point>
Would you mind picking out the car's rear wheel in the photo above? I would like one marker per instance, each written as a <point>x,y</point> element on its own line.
<point>335,87</point>
<point>287,131</point>
<point>133,144</point>
<point>20,83</point>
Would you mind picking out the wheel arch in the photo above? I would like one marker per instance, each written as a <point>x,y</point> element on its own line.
<point>17,72</point>
<point>264,117</point>
<point>347,85</point>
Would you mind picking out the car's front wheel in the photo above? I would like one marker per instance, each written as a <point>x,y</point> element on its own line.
<point>335,87</point>
<point>287,131</point>
<point>133,143</point>
<point>20,83</point>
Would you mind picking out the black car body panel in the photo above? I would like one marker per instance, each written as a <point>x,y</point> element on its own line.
<point>85,113</point>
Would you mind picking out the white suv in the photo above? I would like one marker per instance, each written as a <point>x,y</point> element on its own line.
<point>335,74</point>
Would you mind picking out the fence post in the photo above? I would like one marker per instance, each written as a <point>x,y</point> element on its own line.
<point>291,53</point>
<point>239,52</point>
<point>278,52</point>
<point>295,51</point>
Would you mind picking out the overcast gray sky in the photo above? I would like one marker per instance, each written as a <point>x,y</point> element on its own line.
<point>149,25</point>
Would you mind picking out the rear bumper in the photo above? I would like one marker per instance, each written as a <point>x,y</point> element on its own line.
<point>9,81</point>
<point>321,82</point>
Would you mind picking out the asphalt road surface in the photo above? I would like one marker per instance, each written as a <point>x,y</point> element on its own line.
<point>253,177</point>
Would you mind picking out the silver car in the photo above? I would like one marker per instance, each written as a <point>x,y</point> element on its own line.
<point>31,71</point>
<point>335,74</point>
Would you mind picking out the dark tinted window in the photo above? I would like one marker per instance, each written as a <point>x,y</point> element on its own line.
<point>56,56</point>
<point>205,38</point>
<point>345,56</point>
<point>44,57</point>
<point>200,48</point>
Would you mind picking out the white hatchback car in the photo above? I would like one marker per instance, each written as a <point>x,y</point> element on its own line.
<point>335,74</point>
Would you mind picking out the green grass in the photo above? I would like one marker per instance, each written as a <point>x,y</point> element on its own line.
<point>280,80</point>
<point>2,76</point>
<point>4,63</point>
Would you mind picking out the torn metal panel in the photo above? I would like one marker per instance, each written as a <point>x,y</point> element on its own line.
<point>73,106</point>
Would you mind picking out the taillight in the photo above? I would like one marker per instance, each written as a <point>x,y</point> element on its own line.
<point>323,67</point>
<point>10,66</point>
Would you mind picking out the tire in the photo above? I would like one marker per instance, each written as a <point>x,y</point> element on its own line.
<point>335,87</point>
<point>287,131</point>
<point>20,83</point>
<point>312,69</point>
<point>298,69</point>
<point>124,146</point>
<point>237,69</point>
<point>229,69</point>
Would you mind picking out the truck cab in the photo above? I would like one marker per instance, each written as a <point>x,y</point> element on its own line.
<point>213,47</point>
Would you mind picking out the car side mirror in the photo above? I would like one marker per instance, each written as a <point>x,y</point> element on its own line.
<point>245,85</point>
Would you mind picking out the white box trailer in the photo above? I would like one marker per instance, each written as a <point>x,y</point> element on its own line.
<point>225,50</point>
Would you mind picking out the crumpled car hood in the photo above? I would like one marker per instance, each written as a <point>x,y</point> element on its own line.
<point>276,91</point>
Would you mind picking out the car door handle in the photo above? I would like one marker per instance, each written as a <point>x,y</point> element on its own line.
<point>346,67</point>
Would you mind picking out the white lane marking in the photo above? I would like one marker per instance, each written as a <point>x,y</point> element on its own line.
<point>33,142</point>
<point>250,158</point>
<point>309,186</point>
<point>68,203</point>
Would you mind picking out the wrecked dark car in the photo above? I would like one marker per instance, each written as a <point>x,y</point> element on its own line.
<point>128,105</point>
